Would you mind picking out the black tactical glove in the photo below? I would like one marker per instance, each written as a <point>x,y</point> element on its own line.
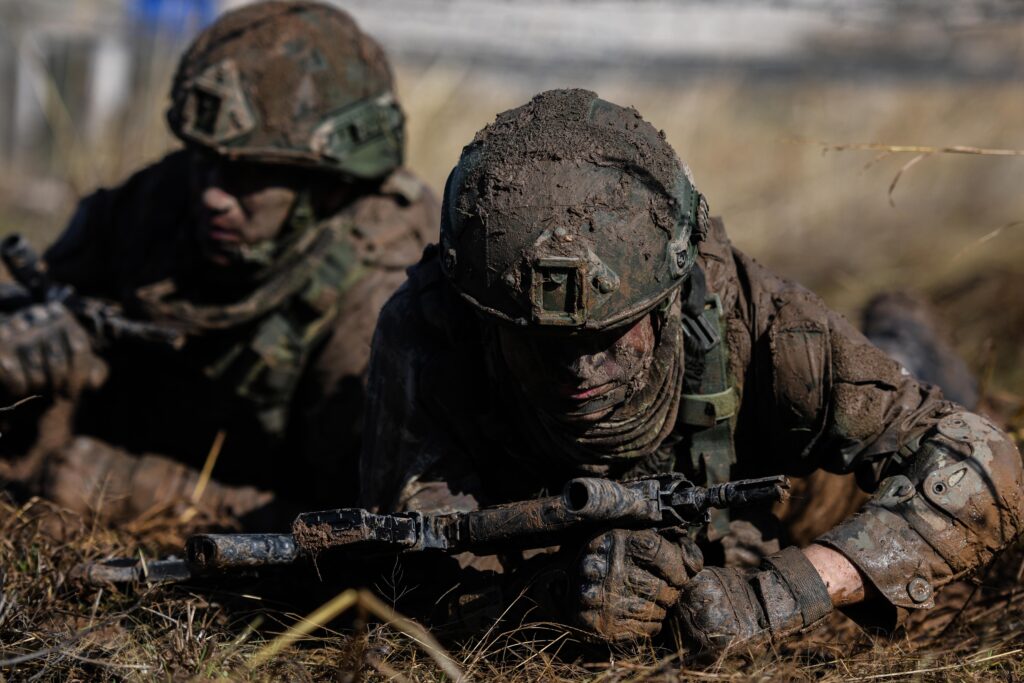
<point>628,580</point>
<point>728,609</point>
<point>43,350</point>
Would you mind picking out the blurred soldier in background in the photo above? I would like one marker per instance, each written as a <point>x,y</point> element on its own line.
<point>583,316</point>
<point>270,243</point>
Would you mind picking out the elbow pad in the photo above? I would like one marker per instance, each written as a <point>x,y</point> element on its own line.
<point>957,502</point>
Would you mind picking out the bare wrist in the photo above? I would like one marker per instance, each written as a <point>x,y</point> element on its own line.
<point>845,583</point>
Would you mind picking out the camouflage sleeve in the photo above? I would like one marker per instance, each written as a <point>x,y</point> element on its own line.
<point>123,230</point>
<point>949,483</point>
<point>78,257</point>
<point>411,454</point>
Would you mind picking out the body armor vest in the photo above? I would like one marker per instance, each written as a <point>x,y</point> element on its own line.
<point>702,445</point>
<point>263,370</point>
<point>709,406</point>
<point>257,350</point>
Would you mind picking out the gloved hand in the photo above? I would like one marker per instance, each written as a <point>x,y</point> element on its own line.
<point>92,476</point>
<point>728,608</point>
<point>44,350</point>
<point>628,580</point>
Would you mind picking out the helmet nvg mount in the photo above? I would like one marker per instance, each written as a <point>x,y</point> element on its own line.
<point>290,83</point>
<point>569,212</point>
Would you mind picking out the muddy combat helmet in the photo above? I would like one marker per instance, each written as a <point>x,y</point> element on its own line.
<point>292,83</point>
<point>569,212</point>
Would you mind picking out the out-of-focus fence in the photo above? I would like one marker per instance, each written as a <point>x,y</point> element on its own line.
<point>76,77</point>
<point>72,72</point>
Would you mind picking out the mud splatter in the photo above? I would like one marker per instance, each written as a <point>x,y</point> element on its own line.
<point>313,538</point>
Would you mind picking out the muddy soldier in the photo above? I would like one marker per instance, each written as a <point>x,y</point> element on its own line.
<point>583,315</point>
<point>271,240</point>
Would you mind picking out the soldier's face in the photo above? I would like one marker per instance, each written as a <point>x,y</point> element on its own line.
<point>241,205</point>
<point>584,377</point>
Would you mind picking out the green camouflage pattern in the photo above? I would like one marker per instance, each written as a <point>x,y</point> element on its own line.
<point>290,83</point>
<point>264,369</point>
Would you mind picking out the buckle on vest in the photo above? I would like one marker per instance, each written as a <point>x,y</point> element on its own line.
<point>707,410</point>
<point>704,328</point>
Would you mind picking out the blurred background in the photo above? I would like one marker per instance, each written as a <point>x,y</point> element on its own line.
<point>750,94</point>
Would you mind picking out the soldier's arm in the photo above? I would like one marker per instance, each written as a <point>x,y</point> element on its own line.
<point>78,256</point>
<point>113,230</point>
<point>948,483</point>
<point>410,454</point>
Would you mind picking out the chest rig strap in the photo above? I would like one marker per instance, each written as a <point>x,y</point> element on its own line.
<point>710,405</point>
<point>264,368</point>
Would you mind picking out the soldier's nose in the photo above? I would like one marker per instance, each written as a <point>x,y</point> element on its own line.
<point>583,368</point>
<point>217,200</point>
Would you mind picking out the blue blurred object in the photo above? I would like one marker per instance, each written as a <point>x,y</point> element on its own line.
<point>173,18</point>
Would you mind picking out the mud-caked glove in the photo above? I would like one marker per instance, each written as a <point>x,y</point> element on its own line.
<point>44,350</point>
<point>628,580</point>
<point>740,610</point>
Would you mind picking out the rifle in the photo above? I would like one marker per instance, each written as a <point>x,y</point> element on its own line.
<point>586,503</point>
<point>105,322</point>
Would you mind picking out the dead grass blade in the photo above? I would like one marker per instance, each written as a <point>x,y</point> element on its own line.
<point>369,602</point>
<point>899,174</point>
<point>204,476</point>
<point>920,152</point>
<point>985,238</point>
<point>948,667</point>
<point>918,149</point>
<point>18,404</point>
<point>372,604</point>
<point>328,611</point>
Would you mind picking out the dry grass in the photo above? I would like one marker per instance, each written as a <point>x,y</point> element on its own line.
<point>823,218</point>
<point>54,629</point>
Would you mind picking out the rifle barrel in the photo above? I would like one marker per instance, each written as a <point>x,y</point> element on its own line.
<point>749,492</point>
<point>214,552</point>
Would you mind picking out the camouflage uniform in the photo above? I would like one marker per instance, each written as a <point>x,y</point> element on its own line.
<point>279,367</point>
<point>285,378</point>
<point>803,391</point>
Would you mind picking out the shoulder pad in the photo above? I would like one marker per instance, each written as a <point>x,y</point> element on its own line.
<point>402,183</point>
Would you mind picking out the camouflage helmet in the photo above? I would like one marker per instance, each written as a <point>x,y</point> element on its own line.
<point>569,211</point>
<point>290,83</point>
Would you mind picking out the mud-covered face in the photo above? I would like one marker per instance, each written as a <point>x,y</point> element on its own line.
<point>242,206</point>
<point>579,378</point>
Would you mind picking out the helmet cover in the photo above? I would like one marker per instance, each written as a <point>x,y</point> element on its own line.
<point>290,83</point>
<point>569,212</point>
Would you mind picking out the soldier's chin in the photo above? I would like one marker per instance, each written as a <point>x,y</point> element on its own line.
<point>219,260</point>
<point>220,254</point>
